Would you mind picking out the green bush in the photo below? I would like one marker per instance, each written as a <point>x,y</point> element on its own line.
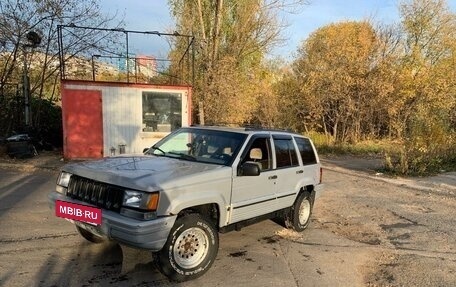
<point>429,148</point>
<point>326,145</point>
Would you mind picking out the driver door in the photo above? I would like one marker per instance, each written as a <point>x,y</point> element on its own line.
<point>254,195</point>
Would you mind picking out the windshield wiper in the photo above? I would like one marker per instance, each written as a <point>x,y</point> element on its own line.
<point>159,149</point>
<point>183,156</point>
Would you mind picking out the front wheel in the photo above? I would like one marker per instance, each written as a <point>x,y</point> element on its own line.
<point>299,216</point>
<point>190,250</point>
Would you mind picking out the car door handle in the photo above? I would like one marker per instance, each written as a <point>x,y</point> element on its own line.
<point>299,171</point>
<point>273,177</point>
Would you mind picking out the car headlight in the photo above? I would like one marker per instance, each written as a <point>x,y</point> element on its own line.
<point>64,179</point>
<point>141,200</point>
<point>62,182</point>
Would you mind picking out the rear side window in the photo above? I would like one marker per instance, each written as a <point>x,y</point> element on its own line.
<point>306,151</point>
<point>285,153</point>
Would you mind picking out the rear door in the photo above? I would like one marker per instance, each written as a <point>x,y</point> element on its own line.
<point>309,161</point>
<point>288,170</point>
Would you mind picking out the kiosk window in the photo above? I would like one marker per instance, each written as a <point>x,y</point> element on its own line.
<point>162,112</point>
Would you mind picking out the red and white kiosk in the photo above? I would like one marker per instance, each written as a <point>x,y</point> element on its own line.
<point>103,118</point>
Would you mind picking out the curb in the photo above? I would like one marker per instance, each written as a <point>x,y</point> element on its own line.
<point>405,182</point>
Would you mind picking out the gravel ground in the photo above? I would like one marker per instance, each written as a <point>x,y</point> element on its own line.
<point>368,230</point>
<point>408,222</point>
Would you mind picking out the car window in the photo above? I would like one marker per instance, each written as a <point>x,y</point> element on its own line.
<point>259,150</point>
<point>306,151</point>
<point>201,145</point>
<point>285,153</point>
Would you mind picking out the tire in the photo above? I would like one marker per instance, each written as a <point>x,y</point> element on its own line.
<point>298,218</point>
<point>190,250</point>
<point>90,236</point>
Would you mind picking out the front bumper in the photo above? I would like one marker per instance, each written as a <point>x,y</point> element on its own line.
<point>144,234</point>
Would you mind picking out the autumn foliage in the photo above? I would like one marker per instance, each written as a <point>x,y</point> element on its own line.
<point>397,83</point>
<point>350,81</point>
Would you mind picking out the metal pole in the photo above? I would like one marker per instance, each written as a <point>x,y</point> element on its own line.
<point>61,53</point>
<point>187,69</point>
<point>93,69</point>
<point>193,62</point>
<point>128,64</point>
<point>136,70</point>
<point>26,88</point>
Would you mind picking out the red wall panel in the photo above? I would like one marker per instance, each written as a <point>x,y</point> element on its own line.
<point>82,123</point>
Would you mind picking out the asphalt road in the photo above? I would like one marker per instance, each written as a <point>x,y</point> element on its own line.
<point>364,233</point>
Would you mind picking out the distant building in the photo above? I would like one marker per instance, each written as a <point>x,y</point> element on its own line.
<point>146,65</point>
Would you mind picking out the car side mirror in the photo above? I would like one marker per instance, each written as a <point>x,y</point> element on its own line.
<point>249,169</point>
<point>145,150</point>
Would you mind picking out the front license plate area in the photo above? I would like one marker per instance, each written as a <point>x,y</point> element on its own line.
<point>78,212</point>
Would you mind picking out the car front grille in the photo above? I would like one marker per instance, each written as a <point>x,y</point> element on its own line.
<point>97,193</point>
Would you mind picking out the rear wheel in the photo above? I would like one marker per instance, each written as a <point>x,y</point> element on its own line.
<point>89,235</point>
<point>190,250</point>
<point>299,216</point>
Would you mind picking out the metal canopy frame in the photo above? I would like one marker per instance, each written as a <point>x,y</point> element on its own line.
<point>188,55</point>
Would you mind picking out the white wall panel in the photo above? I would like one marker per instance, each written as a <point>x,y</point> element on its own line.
<point>121,119</point>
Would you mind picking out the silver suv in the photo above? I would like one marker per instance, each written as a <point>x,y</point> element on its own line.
<point>191,185</point>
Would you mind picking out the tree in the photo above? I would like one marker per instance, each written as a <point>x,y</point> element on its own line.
<point>335,70</point>
<point>19,17</point>
<point>353,81</point>
<point>232,39</point>
<point>426,95</point>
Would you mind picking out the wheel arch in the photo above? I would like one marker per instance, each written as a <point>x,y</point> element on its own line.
<point>210,206</point>
<point>210,211</point>
<point>307,188</point>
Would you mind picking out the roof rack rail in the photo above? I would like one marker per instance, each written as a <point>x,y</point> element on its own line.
<point>246,127</point>
<point>257,127</point>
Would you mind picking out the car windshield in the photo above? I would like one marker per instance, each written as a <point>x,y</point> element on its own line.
<point>200,145</point>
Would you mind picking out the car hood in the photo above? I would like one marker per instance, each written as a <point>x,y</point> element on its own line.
<point>146,173</point>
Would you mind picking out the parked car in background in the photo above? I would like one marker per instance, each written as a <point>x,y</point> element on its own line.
<point>20,146</point>
<point>19,138</point>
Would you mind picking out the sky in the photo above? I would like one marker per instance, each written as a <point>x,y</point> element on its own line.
<point>154,15</point>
